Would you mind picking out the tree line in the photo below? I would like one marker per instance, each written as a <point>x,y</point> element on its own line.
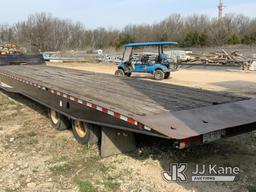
<point>43,32</point>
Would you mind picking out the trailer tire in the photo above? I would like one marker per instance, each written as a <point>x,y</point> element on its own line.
<point>58,121</point>
<point>119,73</point>
<point>85,133</point>
<point>159,74</point>
<point>167,75</point>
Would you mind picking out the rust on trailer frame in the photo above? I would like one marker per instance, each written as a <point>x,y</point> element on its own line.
<point>195,117</point>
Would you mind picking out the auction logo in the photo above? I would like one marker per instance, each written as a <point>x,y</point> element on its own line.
<point>176,172</point>
<point>201,173</point>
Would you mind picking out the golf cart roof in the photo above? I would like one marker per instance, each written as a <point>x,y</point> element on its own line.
<point>150,44</point>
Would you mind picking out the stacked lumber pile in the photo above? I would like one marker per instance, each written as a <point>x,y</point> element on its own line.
<point>9,49</point>
<point>222,57</point>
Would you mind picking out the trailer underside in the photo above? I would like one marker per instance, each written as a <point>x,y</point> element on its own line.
<point>159,109</point>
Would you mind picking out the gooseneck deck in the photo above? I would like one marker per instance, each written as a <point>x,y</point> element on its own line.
<point>186,115</point>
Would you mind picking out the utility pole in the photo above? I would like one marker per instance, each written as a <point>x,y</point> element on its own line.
<point>220,9</point>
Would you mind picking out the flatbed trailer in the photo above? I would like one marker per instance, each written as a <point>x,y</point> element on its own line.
<point>187,116</point>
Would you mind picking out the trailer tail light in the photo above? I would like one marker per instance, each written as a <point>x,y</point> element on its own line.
<point>185,143</point>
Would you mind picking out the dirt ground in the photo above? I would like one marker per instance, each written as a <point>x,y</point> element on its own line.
<point>35,157</point>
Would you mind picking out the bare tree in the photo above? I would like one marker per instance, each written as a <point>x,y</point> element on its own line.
<point>42,32</point>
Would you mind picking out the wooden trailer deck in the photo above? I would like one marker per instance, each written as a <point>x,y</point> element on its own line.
<point>173,111</point>
<point>135,96</point>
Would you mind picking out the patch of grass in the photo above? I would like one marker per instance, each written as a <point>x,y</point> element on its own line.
<point>110,185</point>
<point>92,170</point>
<point>83,150</point>
<point>103,168</point>
<point>86,186</point>
<point>61,169</point>
<point>252,188</point>
<point>32,140</point>
<point>32,134</point>
<point>10,190</point>
<point>92,165</point>
<point>61,158</point>
<point>20,136</point>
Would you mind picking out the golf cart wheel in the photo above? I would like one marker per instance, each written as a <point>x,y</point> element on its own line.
<point>159,75</point>
<point>167,75</point>
<point>128,74</point>
<point>119,73</point>
<point>58,121</point>
<point>85,133</point>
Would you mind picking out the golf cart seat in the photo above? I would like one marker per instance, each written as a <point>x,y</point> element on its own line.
<point>145,59</point>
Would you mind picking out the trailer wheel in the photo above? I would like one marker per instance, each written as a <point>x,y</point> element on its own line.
<point>167,75</point>
<point>119,73</point>
<point>58,121</point>
<point>159,74</point>
<point>85,133</point>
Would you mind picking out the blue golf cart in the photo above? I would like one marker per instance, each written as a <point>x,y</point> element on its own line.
<point>155,61</point>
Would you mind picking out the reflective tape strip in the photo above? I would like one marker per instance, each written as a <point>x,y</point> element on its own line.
<point>52,91</point>
<point>117,115</point>
<point>110,112</point>
<point>123,118</point>
<point>104,110</point>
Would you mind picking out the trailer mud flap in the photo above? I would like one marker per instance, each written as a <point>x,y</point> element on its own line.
<point>116,141</point>
<point>200,121</point>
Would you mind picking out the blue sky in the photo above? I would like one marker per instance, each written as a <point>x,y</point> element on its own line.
<point>118,13</point>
